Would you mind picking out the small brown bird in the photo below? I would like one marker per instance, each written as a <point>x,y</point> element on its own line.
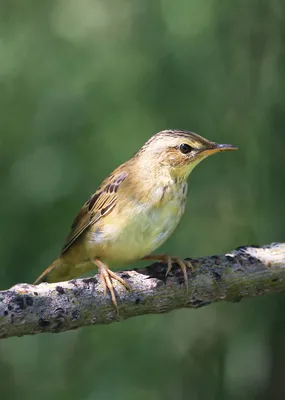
<point>134,210</point>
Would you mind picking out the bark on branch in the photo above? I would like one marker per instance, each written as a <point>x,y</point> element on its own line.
<point>245,272</point>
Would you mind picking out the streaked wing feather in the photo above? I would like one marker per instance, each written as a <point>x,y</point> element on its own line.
<point>98,205</point>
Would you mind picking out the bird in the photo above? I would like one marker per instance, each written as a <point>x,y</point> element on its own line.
<point>134,211</point>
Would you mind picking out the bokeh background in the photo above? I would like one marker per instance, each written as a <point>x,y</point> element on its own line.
<point>83,84</point>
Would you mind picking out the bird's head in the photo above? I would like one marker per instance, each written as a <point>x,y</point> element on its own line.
<point>179,151</point>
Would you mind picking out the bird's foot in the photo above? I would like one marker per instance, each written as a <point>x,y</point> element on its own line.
<point>170,260</point>
<point>106,276</point>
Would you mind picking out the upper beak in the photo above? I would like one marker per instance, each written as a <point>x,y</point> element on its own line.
<point>220,147</point>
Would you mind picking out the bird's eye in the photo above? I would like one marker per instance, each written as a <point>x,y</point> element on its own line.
<point>185,148</point>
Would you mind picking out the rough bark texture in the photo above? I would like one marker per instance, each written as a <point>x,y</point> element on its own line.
<point>245,272</point>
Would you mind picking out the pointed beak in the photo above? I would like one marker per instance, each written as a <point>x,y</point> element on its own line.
<point>216,148</point>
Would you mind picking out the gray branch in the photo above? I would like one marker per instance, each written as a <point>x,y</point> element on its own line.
<point>245,272</point>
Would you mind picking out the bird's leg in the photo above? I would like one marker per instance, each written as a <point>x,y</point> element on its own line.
<point>106,276</point>
<point>169,260</point>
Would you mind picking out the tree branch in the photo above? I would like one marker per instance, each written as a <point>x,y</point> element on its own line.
<point>245,272</point>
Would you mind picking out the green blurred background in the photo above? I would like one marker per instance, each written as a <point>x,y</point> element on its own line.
<point>83,84</point>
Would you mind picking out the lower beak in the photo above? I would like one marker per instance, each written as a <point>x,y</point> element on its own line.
<point>219,147</point>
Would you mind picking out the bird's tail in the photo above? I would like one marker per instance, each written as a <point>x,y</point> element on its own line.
<point>58,271</point>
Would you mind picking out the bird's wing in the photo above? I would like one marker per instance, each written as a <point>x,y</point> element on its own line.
<point>96,207</point>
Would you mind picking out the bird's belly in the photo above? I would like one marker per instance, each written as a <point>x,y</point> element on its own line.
<point>130,237</point>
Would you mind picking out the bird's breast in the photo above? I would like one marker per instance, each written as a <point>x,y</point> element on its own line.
<point>138,228</point>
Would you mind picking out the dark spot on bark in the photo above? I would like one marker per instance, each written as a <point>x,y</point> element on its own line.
<point>10,307</point>
<point>125,275</point>
<point>156,270</point>
<point>138,300</point>
<point>217,276</point>
<point>43,323</point>
<point>251,260</point>
<point>59,290</point>
<point>231,258</point>
<point>273,280</point>
<point>12,318</point>
<point>91,280</point>
<point>36,293</point>
<point>75,315</point>
<point>6,312</point>
<point>29,301</point>
<point>19,303</point>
